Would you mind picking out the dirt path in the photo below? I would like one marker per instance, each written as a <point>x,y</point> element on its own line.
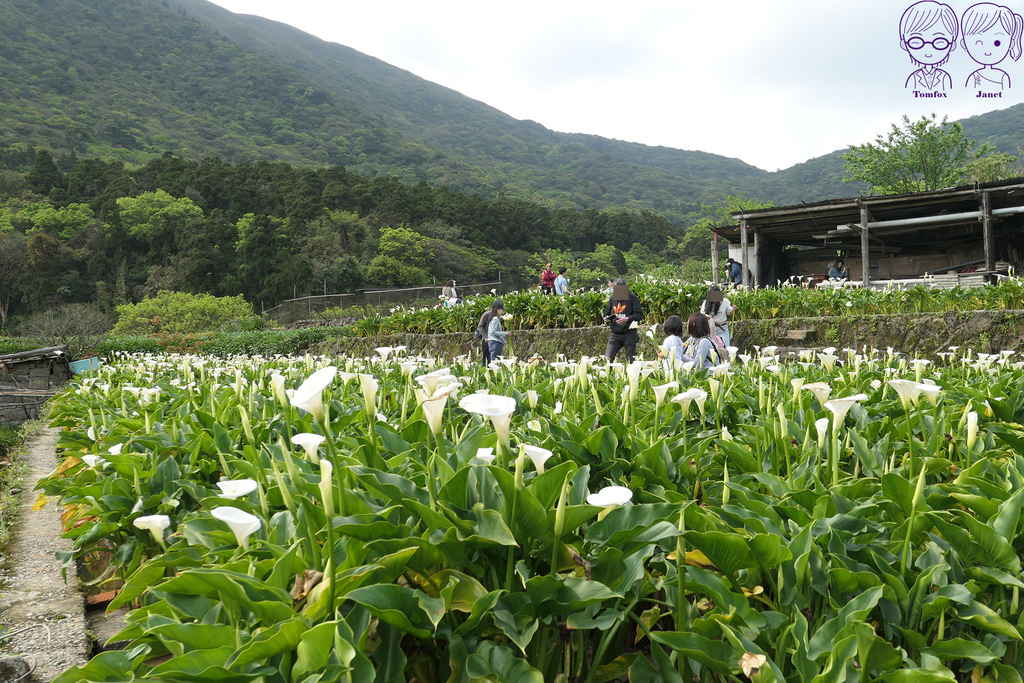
<point>46,614</point>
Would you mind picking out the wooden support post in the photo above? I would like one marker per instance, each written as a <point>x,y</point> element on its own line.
<point>865,253</point>
<point>986,230</point>
<point>714,256</point>
<point>743,250</point>
<point>757,259</point>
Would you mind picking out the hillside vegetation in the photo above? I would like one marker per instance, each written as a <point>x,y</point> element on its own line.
<point>107,234</point>
<point>133,79</point>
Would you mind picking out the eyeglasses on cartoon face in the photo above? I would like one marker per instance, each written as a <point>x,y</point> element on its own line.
<point>940,43</point>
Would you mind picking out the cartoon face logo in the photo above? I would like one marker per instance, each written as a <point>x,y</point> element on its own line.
<point>988,47</point>
<point>990,32</point>
<point>928,32</point>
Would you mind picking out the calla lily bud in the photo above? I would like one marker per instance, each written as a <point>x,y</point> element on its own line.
<point>531,398</point>
<point>327,488</point>
<point>822,426</point>
<point>972,429</point>
<point>368,384</point>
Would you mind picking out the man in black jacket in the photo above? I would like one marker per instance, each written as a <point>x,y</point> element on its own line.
<point>622,311</point>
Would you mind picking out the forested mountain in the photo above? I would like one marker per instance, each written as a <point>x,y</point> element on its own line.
<point>132,79</point>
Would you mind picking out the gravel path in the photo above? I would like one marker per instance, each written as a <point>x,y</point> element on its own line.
<point>46,614</point>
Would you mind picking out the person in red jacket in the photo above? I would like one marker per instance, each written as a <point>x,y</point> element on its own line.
<point>547,280</point>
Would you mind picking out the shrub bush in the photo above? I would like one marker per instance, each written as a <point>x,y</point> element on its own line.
<point>182,313</point>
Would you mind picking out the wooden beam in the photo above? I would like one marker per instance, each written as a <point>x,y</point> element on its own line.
<point>986,231</point>
<point>714,256</point>
<point>743,250</point>
<point>865,247</point>
<point>757,259</point>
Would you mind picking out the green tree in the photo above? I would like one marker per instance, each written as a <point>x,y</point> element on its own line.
<point>919,156</point>
<point>156,218</point>
<point>13,256</point>
<point>265,250</point>
<point>44,175</point>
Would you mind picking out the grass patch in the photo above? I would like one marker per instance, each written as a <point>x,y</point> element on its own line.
<point>13,470</point>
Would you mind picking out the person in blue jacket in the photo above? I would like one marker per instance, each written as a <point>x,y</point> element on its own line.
<point>735,271</point>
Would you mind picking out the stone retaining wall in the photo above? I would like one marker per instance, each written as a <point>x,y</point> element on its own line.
<point>37,373</point>
<point>22,406</point>
<point>921,335</point>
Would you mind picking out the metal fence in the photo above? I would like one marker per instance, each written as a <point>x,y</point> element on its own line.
<point>376,301</point>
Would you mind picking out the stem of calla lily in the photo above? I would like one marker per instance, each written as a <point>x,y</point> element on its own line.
<point>286,495</point>
<point>918,491</point>
<point>597,399</point>
<point>405,399</point>
<point>439,451</point>
<point>559,524</point>
<point>834,457</point>
<point>910,439</point>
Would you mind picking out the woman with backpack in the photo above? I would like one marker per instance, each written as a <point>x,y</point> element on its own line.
<point>699,348</point>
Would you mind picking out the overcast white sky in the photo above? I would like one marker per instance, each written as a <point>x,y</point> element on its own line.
<point>772,83</point>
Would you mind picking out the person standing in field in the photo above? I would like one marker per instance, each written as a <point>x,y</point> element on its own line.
<point>735,271</point>
<point>547,280</point>
<point>623,313</point>
<point>561,283</point>
<point>497,338</point>
<point>718,309</point>
<point>481,334</point>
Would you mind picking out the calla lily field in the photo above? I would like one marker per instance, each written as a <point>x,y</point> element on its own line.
<point>852,517</point>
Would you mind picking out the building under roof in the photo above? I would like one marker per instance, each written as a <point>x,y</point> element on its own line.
<point>884,239</point>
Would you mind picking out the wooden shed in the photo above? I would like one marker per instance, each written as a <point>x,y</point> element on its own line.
<point>28,379</point>
<point>970,233</point>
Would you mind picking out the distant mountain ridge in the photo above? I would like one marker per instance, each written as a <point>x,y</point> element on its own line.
<point>136,78</point>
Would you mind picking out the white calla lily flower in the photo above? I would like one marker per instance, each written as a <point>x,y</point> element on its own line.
<point>93,461</point>
<point>326,488</point>
<point>433,407</point>
<point>908,391</point>
<point>498,408</point>
<point>486,455</point>
<point>154,524</point>
<point>308,442</point>
<point>661,390</point>
<point>236,488</point>
<point>610,496</point>
<point>932,391</point>
<point>538,455</point>
<point>242,524</point>
<point>309,395</point>
<point>840,406</point>
<point>821,391</point>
